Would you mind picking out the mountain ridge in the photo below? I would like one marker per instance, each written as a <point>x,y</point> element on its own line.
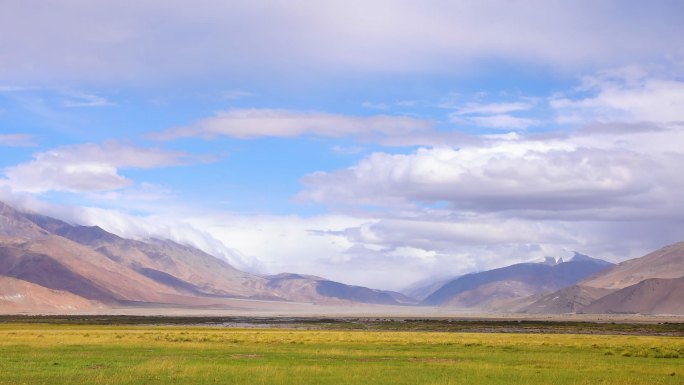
<point>50,264</point>
<point>93,264</point>
<point>512,282</point>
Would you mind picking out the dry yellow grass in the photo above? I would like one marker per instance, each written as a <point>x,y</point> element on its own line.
<point>58,354</point>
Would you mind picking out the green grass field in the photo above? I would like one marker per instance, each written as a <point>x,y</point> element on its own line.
<point>96,354</point>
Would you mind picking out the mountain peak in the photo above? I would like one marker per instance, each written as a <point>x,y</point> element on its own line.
<point>579,257</point>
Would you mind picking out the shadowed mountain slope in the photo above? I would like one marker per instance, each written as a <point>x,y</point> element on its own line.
<point>21,296</point>
<point>516,281</point>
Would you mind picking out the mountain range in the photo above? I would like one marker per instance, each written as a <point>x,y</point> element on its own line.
<point>651,284</point>
<point>491,288</point>
<point>50,265</point>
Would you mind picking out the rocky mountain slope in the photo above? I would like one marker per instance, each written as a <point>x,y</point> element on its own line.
<point>650,284</point>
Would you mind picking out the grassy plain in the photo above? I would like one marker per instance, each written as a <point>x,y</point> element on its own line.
<point>139,354</point>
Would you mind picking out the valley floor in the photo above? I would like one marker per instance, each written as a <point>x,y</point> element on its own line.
<point>249,309</point>
<point>58,353</point>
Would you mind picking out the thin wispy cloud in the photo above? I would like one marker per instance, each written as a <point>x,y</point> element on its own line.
<point>79,99</point>
<point>17,140</point>
<point>235,94</point>
<point>256,123</point>
<point>492,108</point>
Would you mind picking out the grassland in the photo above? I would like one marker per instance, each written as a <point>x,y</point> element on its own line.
<point>54,354</point>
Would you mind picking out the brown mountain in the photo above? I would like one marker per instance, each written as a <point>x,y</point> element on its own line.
<point>667,262</point>
<point>43,256</point>
<point>619,288</point>
<point>185,269</point>
<point>60,264</point>
<point>18,296</point>
<point>309,288</point>
<point>568,300</point>
<point>650,296</point>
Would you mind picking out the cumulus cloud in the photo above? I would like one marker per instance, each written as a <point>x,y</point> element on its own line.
<point>255,123</point>
<point>17,140</point>
<point>377,36</point>
<point>613,192</point>
<point>607,175</point>
<point>86,167</point>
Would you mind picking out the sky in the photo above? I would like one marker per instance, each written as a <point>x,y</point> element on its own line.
<point>378,143</point>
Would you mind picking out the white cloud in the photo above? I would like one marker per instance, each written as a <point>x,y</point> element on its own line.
<point>17,140</point>
<point>80,99</point>
<point>255,123</point>
<point>377,36</point>
<point>613,192</point>
<point>86,167</point>
<point>347,150</point>
<point>591,174</point>
<point>493,108</point>
<point>503,121</point>
<point>492,115</point>
<point>626,95</point>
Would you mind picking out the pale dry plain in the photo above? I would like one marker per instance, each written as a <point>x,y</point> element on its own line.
<point>251,308</point>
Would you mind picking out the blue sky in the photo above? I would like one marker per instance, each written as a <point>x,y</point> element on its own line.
<point>378,144</point>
